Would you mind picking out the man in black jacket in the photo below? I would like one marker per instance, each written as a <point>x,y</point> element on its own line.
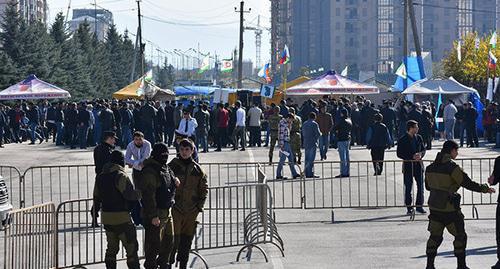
<point>83,125</point>
<point>470,125</point>
<point>378,139</point>
<point>148,114</point>
<point>343,130</point>
<point>169,123</point>
<point>159,123</point>
<point>102,155</point>
<point>389,115</point>
<point>127,121</point>
<point>107,119</point>
<point>59,121</point>
<point>71,117</point>
<point>411,150</point>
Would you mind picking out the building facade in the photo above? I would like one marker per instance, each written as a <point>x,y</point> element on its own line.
<point>100,20</point>
<point>367,35</point>
<point>29,10</point>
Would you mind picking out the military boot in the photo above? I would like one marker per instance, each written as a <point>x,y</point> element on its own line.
<point>461,261</point>
<point>430,261</point>
<point>496,266</point>
<point>270,159</point>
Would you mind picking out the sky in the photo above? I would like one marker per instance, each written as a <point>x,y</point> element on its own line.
<point>183,24</point>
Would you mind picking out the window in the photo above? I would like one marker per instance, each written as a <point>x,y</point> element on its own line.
<point>351,41</point>
<point>337,11</point>
<point>365,12</point>
<point>337,53</point>
<point>364,40</point>
<point>365,25</point>
<point>337,25</point>
<point>337,39</point>
<point>365,53</point>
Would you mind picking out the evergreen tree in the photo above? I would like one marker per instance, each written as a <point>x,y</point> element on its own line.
<point>59,34</point>
<point>118,58</point>
<point>83,40</point>
<point>75,65</point>
<point>11,33</point>
<point>8,72</point>
<point>166,76</point>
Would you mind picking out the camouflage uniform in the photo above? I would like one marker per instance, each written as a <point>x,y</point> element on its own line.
<point>295,138</point>
<point>189,201</point>
<point>443,178</point>
<point>157,183</point>
<point>113,192</point>
<point>274,121</point>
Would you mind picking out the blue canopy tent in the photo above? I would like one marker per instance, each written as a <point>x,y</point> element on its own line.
<point>412,72</point>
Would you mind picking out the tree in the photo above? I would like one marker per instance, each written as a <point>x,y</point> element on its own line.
<point>8,72</point>
<point>11,33</point>
<point>59,34</point>
<point>472,70</point>
<point>166,76</point>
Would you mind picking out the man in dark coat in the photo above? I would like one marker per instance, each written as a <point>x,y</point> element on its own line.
<point>169,123</point>
<point>411,150</point>
<point>470,125</point>
<point>148,114</point>
<point>107,119</point>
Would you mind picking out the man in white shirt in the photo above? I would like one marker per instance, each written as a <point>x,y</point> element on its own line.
<point>254,116</point>
<point>449,120</point>
<point>187,126</point>
<point>137,151</point>
<point>239,130</point>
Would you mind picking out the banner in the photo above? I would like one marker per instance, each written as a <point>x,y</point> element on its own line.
<point>267,91</point>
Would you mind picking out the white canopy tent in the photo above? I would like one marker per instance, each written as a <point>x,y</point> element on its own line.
<point>437,86</point>
<point>33,88</point>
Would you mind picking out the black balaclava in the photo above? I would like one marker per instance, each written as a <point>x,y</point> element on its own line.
<point>117,158</point>
<point>160,153</point>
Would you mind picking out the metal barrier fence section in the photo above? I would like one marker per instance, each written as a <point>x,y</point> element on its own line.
<point>364,189</point>
<point>12,178</point>
<point>57,183</point>
<point>30,238</point>
<point>221,226</point>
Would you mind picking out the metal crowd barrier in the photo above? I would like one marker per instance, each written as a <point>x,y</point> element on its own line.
<point>30,238</point>
<point>222,225</point>
<point>12,178</point>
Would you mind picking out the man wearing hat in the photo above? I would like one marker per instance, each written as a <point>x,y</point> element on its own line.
<point>102,155</point>
<point>157,184</point>
<point>114,194</point>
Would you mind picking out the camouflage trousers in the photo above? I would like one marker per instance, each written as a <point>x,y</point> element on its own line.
<point>159,243</point>
<point>454,223</point>
<point>274,140</point>
<point>184,230</point>
<point>127,235</point>
<point>295,145</point>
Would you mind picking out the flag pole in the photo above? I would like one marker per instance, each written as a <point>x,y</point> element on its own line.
<point>284,81</point>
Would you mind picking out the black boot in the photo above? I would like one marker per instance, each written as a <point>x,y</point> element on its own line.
<point>270,160</point>
<point>110,264</point>
<point>461,261</point>
<point>496,266</point>
<point>430,261</point>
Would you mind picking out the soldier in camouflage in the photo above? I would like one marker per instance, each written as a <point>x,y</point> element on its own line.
<point>274,122</point>
<point>295,137</point>
<point>114,194</point>
<point>443,178</point>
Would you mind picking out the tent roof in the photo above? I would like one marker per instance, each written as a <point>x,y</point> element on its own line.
<point>130,91</point>
<point>331,83</point>
<point>33,88</point>
<point>294,82</point>
<point>436,86</point>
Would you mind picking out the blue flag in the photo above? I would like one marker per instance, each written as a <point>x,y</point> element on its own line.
<point>476,101</point>
<point>440,101</point>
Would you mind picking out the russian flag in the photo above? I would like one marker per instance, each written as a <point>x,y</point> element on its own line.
<point>265,73</point>
<point>285,56</point>
<point>492,60</point>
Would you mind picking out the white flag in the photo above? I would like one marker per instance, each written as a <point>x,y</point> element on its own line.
<point>489,91</point>
<point>345,71</point>
<point>401,70</point>
<point>477,42</point>
<point>459,50</point>
<point>493,40</point>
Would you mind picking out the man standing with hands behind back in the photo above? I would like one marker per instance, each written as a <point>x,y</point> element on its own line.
<point>411,149</point>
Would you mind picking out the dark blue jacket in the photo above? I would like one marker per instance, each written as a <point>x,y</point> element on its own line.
<point>378,136</point>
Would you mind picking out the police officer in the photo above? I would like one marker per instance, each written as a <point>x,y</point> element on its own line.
<point>114,194</point>
<point>493,180</point>
<point>443,178</point>
<point>295,137</point>
<point>157,184</point>
<point>189,199</point>
<point>274,122</point>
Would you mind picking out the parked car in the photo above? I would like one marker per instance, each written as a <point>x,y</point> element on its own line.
<point>5,205</point>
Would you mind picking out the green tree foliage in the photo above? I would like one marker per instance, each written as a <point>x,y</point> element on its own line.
<point>166,76</point>
<point>472,70</point>
<point>77,62</point>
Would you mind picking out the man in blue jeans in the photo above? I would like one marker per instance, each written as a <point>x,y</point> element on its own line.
<point>310,134</point>
<point>285,149</point>
<point>411,150</point>
<point>343,133</point>
<point>33,116</point>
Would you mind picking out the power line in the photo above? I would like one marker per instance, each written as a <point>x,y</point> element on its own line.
<point>457,8</point>
<point>189,24</point>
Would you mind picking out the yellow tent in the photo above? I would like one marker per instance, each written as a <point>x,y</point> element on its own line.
<point>129,91</point>
<point>278,94</point>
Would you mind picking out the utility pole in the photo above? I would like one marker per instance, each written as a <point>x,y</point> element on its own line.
<point>416,39</point>
<point>142,46</point>
<point>405,44</point>
<point>242,29</point>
